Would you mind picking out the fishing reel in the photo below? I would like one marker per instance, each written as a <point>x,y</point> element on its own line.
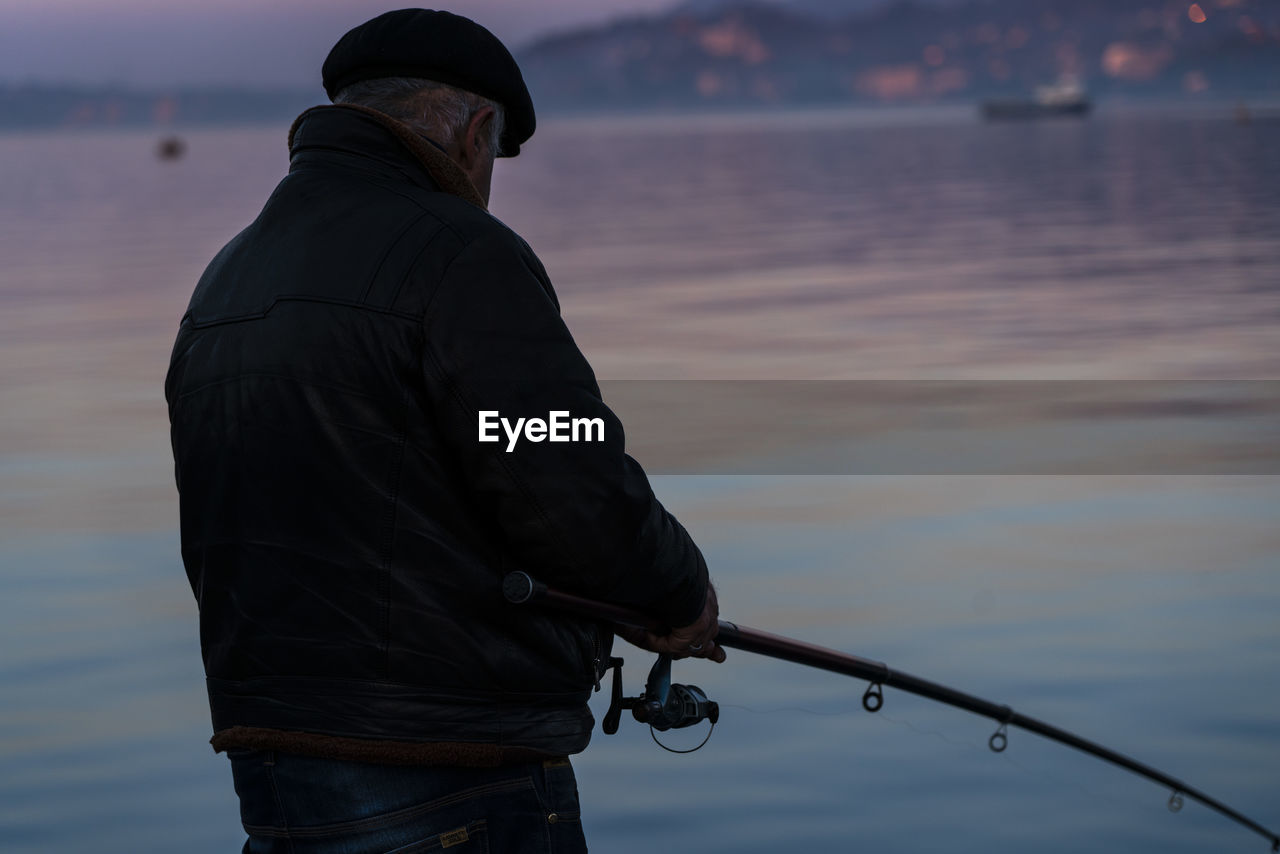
<point>662,706</point>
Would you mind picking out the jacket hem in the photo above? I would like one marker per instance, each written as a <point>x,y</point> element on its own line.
<point>375,751</point>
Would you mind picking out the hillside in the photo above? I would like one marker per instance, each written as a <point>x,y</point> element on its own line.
<point>731,54</point>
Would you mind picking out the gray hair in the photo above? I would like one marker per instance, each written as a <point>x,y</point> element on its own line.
<point>435,110</point>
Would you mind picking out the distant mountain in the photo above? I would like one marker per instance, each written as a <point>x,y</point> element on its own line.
<point>34,106</point>
<point>825,9</point>
<point>732,53</point>
<point>837,9</point>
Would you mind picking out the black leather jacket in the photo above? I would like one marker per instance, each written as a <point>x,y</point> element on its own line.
<point>344,531</point>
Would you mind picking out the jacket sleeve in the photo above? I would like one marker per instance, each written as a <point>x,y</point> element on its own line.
<point>580,514</point>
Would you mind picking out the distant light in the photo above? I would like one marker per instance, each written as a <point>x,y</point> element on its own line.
<point>1129,61</point>
<point>934,55</point>
<point>709,84</point>
<point>1196,14</point>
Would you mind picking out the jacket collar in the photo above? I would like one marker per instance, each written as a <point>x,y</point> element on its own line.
<point>446,175</point>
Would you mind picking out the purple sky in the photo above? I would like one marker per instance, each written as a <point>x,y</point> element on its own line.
<point>264,43</point>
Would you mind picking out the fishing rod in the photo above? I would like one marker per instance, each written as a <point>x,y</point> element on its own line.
<point>667,706</point>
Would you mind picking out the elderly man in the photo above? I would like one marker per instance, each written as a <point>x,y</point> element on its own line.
<point>347,521</point>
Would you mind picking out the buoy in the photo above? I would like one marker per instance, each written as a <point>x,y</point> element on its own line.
<point>171,148</point>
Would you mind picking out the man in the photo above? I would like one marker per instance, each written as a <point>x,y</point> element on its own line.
<point>346,524</point>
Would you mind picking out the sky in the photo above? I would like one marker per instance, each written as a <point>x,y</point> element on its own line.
<point>264,44</point>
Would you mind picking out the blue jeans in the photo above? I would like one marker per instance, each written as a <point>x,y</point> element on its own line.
<point>302,805</point>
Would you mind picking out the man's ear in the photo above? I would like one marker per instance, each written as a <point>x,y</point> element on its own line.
<point>476,142</point>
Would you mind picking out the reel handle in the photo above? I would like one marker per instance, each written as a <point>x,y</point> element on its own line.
<point>614,716</point>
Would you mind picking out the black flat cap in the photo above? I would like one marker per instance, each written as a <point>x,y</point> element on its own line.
<point>437,46</point>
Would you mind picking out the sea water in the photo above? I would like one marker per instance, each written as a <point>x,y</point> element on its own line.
<point>1134,603</point>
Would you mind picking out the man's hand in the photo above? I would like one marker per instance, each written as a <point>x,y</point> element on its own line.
<point>696,639</point>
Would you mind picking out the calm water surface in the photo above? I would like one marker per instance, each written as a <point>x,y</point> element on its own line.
<point>1139,611</point>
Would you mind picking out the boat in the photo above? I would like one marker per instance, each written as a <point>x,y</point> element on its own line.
<point>1059,99</point>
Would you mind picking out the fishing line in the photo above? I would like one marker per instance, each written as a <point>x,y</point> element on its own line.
<point>851,713</point>
<point>969,744</point>
<point>781,709</point>
<point>654,735</point>
<point>977,747</point>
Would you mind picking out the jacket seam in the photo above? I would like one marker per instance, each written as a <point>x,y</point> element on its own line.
<point>273,375</point>
<point>262,313</point>
<point>413,268</point>
<point>386,253</point>
<point>388,554</point>
<point>467,243</point>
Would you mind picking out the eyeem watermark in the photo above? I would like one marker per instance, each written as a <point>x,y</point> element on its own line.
<point>557,427</point>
